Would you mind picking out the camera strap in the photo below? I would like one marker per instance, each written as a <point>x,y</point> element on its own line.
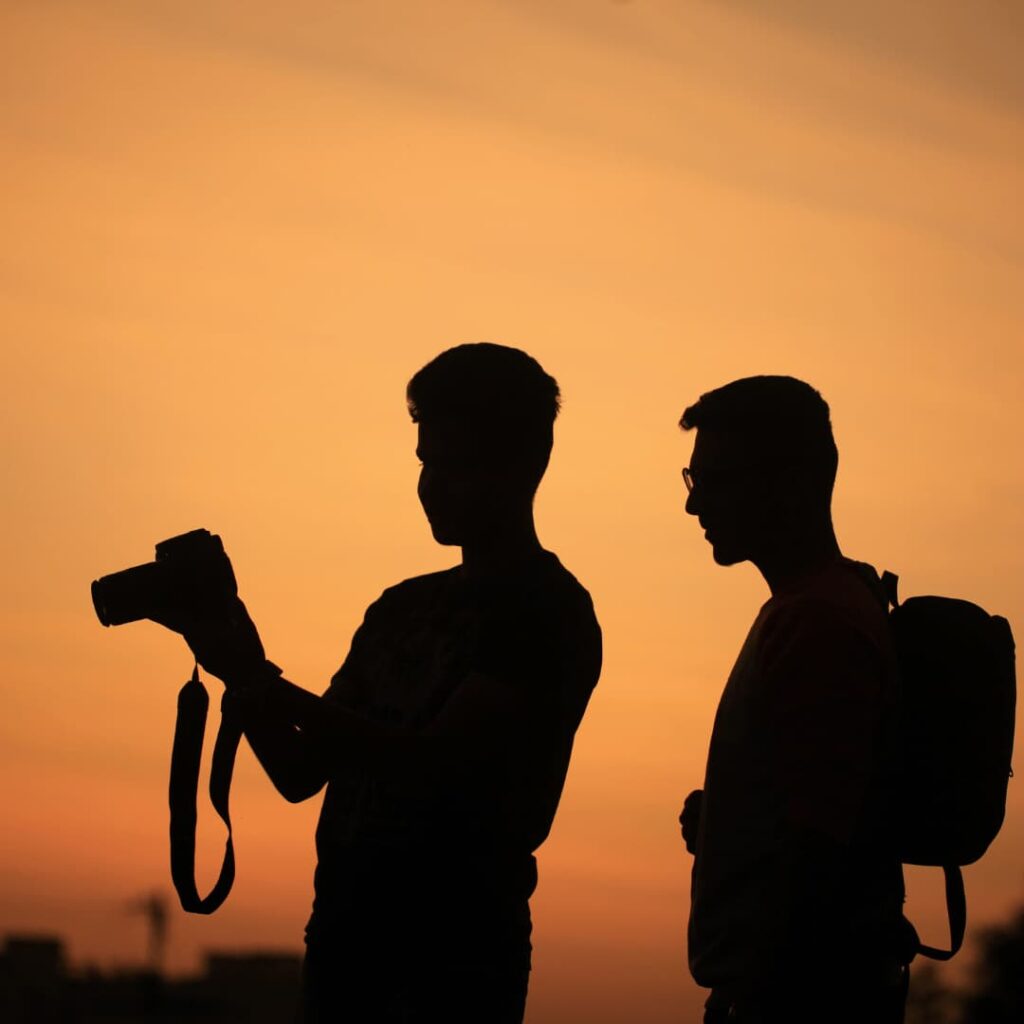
<point>186,754</point>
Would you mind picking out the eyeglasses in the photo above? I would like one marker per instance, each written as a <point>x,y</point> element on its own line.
<point>727,479</point>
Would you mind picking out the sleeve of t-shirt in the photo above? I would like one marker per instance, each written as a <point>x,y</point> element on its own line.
<point>823,687</point>
<point>517,639</point>
<point>540,644</point>
<point>347,684</point>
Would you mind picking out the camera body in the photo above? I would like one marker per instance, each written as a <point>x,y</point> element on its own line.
<point>191,574</point>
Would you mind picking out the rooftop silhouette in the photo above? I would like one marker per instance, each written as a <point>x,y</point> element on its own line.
<point>38,986</point>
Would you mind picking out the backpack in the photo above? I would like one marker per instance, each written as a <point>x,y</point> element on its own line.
<point>954,737</point>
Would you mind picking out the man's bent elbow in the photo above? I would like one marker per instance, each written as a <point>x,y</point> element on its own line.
<point>295,791</point>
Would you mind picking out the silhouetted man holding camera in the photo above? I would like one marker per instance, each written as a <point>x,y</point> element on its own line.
<point>445,737</point>
<point>797,891</point>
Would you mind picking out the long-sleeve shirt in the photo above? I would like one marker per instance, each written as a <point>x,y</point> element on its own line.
<point>800,748</point>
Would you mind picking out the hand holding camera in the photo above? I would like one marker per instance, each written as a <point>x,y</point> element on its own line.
<point>189,588</point>
<point>228,648</point>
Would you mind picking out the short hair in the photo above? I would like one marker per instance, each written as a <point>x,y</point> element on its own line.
<point>498,397</point>
<point>773,417</point>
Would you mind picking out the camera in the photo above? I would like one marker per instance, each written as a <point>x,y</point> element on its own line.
<point>191,573</point>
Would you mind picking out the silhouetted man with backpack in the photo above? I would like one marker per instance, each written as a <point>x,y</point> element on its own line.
<point>797,886</point>
<point>444,738</point>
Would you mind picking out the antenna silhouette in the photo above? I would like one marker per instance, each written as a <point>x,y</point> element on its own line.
<point>155,909</point>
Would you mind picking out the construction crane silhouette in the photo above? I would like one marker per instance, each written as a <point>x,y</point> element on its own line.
<point>154,907</point>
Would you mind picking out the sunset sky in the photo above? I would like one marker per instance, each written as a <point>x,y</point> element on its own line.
<point>233,230</point>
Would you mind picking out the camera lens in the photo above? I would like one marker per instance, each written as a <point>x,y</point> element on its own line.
<point>129,595</point>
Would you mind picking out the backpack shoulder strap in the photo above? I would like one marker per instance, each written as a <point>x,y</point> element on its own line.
<point>956,909</point>
<point>883,587</point>
<point>890,584</point>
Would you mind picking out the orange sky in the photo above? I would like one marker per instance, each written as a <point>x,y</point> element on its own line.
<point>233,230</point>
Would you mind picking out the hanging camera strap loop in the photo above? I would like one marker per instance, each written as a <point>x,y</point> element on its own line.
<point>186,755</point>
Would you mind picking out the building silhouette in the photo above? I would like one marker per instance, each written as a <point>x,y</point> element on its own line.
<point>37,986</point>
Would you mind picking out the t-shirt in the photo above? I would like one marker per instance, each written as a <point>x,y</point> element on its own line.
<point>449,856</point>
<point>801,742</point>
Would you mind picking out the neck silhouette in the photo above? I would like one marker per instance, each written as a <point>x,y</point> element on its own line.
<point>797,551</point>
<point>501,545</point>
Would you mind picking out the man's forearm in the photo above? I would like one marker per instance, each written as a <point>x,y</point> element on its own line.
<point>289,760</point>
<point>343,739</point>
<point>301,737</point>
